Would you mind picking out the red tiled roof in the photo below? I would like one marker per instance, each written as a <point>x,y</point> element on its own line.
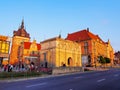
<point>82,35</point>
<point>21,31</point>
<point>38,46</point>
<point>28,44</point>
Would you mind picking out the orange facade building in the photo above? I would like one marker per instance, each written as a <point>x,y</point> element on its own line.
<point>19,36</point>
<point>92,46</point>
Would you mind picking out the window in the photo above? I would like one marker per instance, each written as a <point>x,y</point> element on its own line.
<point>86,44</point>
<point>27,51</point>
<point>86,47</point>
<point>44,56</point>
<point>33,52</point>
<point>4,47</point>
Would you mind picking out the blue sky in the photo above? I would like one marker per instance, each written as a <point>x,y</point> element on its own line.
<point>47,18</point>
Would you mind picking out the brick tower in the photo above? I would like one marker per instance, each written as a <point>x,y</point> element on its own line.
<point>19,36</point>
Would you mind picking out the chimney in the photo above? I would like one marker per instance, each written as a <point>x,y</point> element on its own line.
<point>88,29</point>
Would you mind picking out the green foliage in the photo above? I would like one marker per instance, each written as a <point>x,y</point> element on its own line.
<point>4,75</point>
<point>103,60</point>
<point>107,60</point>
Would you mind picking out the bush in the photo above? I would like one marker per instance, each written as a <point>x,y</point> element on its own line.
<point>107,60</point>
<point>41,71</point>
<point>104,60</point>
<point>4,75</point>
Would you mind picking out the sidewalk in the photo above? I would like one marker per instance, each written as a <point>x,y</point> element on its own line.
<point>37,77</point>
<point>47,76</point>
<point>96,68</point>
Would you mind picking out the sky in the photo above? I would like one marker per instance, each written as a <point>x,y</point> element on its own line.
<point>45,19</point>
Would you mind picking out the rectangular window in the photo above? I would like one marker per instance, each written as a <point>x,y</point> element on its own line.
<point>86,47</point>
<point>86,44</point>
<point>4,47</point>
<point>44,56</point>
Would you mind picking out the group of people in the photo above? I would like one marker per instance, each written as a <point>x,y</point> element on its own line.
<point>7,68</point>
<point>10,68</point>
<point>20,67</point>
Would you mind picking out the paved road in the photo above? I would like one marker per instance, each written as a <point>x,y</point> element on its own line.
<point>100,80</point>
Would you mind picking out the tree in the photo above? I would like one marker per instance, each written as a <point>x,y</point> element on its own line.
<point>107,60</point>
<point>102,60</point>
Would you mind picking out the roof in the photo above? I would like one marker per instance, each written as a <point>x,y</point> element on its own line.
<point>117,53</point>
<point>28,44</point>
<point>50,39</point>
<point>38,46</point>
<point>21,31</point>
<point>82,36</point>
<point>4,38</point>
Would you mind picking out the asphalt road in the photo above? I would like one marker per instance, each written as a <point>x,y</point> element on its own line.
<point>100,80</point>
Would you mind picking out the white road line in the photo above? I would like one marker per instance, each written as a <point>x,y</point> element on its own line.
<point>101,80</point>
<point>39,84</point>
<point>78,77</point>
<point>116,75</point>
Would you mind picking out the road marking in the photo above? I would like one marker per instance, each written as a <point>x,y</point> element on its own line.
<point>116,75</point>
<point>39,84</point>
<point>78,77</point>
<point>101,80</point>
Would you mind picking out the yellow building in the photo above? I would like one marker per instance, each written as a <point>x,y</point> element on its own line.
<point>56,52</point>
<point>4,49</point>
<point>30,52</point>
<point>19,36</point>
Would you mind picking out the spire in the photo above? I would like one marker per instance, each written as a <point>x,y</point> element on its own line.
<point>21,31</point>
<point>22,24</point>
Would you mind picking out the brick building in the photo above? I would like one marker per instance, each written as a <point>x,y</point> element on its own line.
<point>19,36</point>
<point>92,46</point>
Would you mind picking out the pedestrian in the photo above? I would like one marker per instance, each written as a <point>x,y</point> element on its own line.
<point>11,68</point>
<point>5,68</point>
